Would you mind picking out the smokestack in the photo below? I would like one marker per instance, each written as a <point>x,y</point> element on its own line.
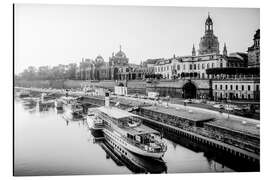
<point>107,99</point>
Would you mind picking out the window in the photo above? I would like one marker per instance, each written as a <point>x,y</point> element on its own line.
<point>226,87</point>
<point>215,86</point>
<point>207,65</point>
<point>190,66</point>
<point>257,88</point>
<point>248,87</point>
<point>202,75</point>
<point>221,87</point>
<point>184,67</point>
<point>198,66</point>
<point>221,65</point>
<point>202,66</point>
<point>213,65</point>
<point>178,67</point>
<point>243,87</point>
<point>194,67</point>
<point>236,87</point>
<point>231,87</point>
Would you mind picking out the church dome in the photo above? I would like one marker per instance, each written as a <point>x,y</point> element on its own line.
<point>120,54</point>
<point>99,58</point>
<point>209,42</point>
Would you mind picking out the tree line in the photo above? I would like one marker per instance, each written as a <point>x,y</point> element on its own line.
<point>48,73</point>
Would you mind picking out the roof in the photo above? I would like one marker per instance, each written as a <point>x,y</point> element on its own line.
<point>115,112</point>
<point>238,70</point>
<point>182,113</point>
<point>247,128</point>
<point>141,129</point>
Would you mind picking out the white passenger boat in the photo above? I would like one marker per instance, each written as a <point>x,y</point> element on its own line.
<point>126,129</point>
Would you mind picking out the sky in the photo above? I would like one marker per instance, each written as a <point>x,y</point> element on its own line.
<point>63,34</point>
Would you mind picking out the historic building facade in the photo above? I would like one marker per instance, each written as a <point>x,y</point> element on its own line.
<point>194,66</point>
<point>190,77</point>
<point>118,68</point>
<point>254,51</point>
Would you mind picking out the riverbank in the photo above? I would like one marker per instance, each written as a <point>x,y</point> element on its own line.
<point>204,123</point>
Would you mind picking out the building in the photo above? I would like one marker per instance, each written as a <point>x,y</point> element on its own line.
<point>254,51</point>
<point>194,66</point>
<point>236,83</point>
<point>192,76</point>
<point>209,42</point>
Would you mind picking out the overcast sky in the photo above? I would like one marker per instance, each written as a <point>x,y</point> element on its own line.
<point>63,34</point>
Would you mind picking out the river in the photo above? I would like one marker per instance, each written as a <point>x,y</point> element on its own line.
<point>47,144</point>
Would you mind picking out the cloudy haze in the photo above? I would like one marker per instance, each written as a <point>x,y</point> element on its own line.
<point>62,34</point>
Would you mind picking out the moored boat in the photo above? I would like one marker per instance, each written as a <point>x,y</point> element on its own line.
<point>59,105</point>
<point>126,129</point>
<point>24,94</point>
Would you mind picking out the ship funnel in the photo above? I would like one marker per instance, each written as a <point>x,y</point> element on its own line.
<point>107,99</point>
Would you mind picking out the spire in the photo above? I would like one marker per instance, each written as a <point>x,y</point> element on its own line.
<point>193,51</point>
<point>208,24</point>
<point>225,50</point>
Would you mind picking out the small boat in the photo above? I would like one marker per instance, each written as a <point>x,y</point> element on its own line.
<point>47,97</point>
<point>77,110</point>
<point>59,104</point>
<point>126,130</point>
<point>24,94</point>
<point>68,99</point>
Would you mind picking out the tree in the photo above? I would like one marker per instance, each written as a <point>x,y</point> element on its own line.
<point>30,73</point>
<point>71,71</point>
<point>43,72</point>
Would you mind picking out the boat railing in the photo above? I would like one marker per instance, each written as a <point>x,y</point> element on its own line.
<point>159,146</point>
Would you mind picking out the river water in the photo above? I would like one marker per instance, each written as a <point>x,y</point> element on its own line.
<point>45,143</point>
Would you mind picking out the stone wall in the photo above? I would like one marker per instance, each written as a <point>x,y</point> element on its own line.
<point>242,140</point>
<point>175,88</point>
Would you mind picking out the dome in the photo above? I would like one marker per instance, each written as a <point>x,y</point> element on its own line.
<point>120,54</point>
<point>99,58</point>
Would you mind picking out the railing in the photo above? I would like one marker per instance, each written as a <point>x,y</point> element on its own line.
<point>147,147</point>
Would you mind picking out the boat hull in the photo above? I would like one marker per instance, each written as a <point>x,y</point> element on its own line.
<point>130,147</point>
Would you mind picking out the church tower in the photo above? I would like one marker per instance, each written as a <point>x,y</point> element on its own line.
<point>225,53</point>
<point>208,25</point>
<point>209,42</point>
<point>193,51</point>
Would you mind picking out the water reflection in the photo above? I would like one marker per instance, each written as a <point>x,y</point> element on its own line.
<point>47,143</point>
<point>123,157</point>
